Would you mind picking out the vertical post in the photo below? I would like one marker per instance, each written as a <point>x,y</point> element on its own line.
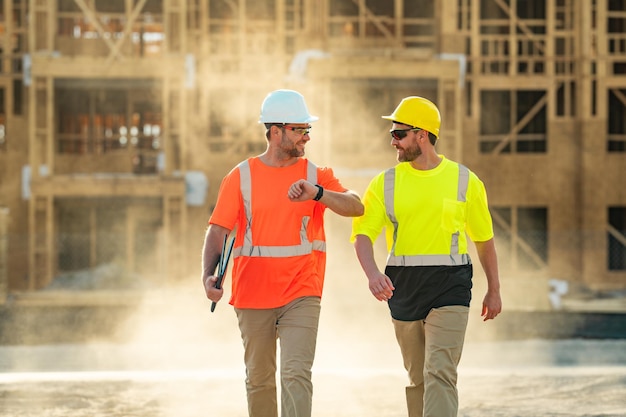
<point>4,243</point>
<point>166,133</point>
<point>166,243</point>
<point>131,226</point>
<point>93,237</point>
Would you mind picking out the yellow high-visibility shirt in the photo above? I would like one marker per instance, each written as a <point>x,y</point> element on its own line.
<point>427,210</point>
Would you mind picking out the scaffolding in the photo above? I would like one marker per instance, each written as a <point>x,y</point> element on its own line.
<point>110,104</point>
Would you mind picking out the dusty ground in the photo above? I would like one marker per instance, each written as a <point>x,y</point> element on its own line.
<point>179,360</point>
<point>186,362</point>
<point>512,387</point>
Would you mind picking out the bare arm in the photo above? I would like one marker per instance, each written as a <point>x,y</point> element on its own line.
<point>492,303</point>
<point>379,284</point>
<point>346,204</point>
<point>213,243</point>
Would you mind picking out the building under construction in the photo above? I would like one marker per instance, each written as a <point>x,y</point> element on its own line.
<point>118,119</point>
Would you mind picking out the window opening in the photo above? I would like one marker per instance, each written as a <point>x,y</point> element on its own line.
<point>513,121</point>
<point>616,139</point>
<point>522,237</point>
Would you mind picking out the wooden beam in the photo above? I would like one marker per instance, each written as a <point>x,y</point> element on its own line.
<point>367,13</point>
<point>102,185</point>
<point>522,26</point>
<point>520,125</point>
<point>128,27</point>
<point>91,15</point>
<point>376,67</point>
<point>4,254</point>
<point>93,67</point>
<point>620,96</point>
<point>619,236</point>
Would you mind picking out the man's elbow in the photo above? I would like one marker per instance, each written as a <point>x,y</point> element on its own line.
<point>349,205</point>
<point>350,212</point>
<point>358,209</point>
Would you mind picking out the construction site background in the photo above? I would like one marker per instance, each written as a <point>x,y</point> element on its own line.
<point>118,120</point>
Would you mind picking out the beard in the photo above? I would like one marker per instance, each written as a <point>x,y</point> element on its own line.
<point>409,153</point>
<point>288,148</point>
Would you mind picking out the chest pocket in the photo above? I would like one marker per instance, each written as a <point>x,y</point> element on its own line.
<point>453,215</point>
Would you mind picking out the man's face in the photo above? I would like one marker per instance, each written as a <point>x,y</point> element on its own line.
<point>294,138</point>
<point>405,139</point>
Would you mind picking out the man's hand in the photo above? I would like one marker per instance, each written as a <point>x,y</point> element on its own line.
<point>381,287</point>
<point>302,190</point>
<point>212,293</point>
<point>492,305</point>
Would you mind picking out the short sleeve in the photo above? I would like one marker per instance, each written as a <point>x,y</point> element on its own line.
<point>374,219</point>
<point>229,201</point>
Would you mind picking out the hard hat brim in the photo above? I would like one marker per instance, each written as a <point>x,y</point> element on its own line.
<point>309,119</point>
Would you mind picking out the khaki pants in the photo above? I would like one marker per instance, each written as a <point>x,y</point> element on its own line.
<point>431,350</point>
<point>295,326</point>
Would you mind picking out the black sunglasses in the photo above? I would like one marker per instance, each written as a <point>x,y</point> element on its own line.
<point>399,134</point>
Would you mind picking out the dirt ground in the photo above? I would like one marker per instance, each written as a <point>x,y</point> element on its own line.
<point>524,392</point>
<point>178,359</point>
<point>170,370</point>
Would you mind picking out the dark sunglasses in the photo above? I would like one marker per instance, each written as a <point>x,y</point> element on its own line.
<point>299,130</point>
<point>399,134</point>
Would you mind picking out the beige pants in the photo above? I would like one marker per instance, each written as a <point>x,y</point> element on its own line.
<point>431,350</point>
<point>295,326</point>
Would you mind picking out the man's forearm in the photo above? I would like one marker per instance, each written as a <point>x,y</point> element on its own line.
<point>345,204</point>
<point>489,261</point>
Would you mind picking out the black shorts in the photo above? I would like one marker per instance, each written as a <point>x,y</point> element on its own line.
<point>418,289</point>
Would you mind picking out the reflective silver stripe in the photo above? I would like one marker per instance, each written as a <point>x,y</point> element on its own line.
<point>424,260</point>
<point>463,182</point>
<point>282,251</point>
<point>248,249</point>
<point>245,185</point>
<point>461,191</point>
<point>429,260</point>
<point>311,172</point>
<point>389,186</point>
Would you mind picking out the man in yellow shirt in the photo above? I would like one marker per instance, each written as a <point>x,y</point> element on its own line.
<point>428,205</point>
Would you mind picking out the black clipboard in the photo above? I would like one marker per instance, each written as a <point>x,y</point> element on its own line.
<point>222,265</point>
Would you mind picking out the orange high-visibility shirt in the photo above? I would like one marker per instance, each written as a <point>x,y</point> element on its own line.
<point>266,282</point>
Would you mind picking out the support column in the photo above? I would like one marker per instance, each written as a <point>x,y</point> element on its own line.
<point>41,243</point>
<point>4,252</point>
<point>174,218</point>
<point>41,209</point>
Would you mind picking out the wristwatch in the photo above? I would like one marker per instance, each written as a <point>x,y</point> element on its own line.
<point>320,192</point>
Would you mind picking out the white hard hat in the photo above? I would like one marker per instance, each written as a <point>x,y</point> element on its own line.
<point>285,106</point>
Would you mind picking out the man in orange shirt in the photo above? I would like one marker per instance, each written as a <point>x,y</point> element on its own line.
<point>276,203</point>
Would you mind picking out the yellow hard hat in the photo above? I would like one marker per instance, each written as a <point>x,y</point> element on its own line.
<point>417,112</point>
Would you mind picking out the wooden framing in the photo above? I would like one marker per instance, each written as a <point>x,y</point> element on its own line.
<point>524,88</point>
<point>4,254</point>
<point>49,189</point>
